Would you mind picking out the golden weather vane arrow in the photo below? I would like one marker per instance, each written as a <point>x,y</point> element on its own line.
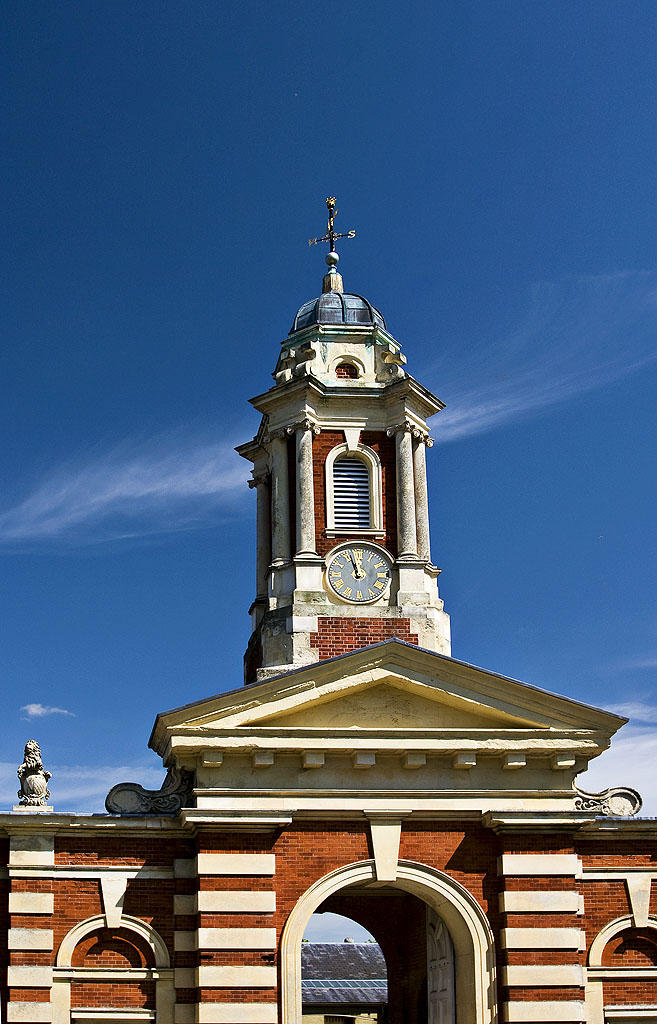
<point>331,235</point>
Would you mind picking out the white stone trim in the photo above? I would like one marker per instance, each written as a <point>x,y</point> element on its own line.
<point>537,975</point>
<point>92,924</point>
<point>606,934</point>
<point>386,834</point>
<point>30,938</point>
<point>237,1013</point>
<point>248,976</point>
<point>31,903</point>
<point>542,938</point>
<point>468,926</point>
<point>29,1013</point>
<point>29,977</point>
<point>88,871</point>
<point>235,901</point>
<point>184,903</point>
<point>236,863</point>
<point>313,758</point>
<point>236,938</point>
<point>638,885</point>
<point>122,1015</point>
<point>539,901</point>
<point>28,849</point>
<point>363,759</point>
<point>184,977</point>
<point>373,463</point>
<point>112,889</point>
<point>539,864</point>
<point>184,942</point>
<point>631,1014</point>
<point>184,867</point>
<point>567,1012</point>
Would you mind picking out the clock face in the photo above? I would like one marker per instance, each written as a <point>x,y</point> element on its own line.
<point>359,573</point>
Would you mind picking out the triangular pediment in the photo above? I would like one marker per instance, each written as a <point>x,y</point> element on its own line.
<point>393,703</point>
<point>392,686</point>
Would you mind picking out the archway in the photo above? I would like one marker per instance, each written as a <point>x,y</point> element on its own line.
<point>132,960</point>
<point>463,919</point>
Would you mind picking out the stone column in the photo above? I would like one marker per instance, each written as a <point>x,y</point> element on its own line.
<point>305,491</point>
<point>406,527</point>
<point>263,536</point>
<point>421,497</point>
<point>280,500</point>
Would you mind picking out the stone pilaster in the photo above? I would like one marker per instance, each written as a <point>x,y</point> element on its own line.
<point>420,442</point>
<point>406,521</point>
<point>261,482</point>
<point>305,492</point>
<point>235,937</point>
<point>280,499</point>
<point>31,861</point>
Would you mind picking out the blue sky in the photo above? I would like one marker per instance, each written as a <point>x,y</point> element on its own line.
<point>164,165</point>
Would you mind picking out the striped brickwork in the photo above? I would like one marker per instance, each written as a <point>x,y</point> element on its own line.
<point>30,938</point>
<point>225,936</point>
<point>541,941</point>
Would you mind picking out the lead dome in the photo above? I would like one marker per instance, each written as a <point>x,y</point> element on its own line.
<point>333,307</point>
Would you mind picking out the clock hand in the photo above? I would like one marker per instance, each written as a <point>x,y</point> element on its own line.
<point>358,568</point>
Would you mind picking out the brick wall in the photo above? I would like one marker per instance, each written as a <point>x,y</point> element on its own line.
<point>338,634</point>
<point>385,449</point>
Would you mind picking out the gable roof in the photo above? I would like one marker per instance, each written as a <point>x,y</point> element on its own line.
<point>326,696</point>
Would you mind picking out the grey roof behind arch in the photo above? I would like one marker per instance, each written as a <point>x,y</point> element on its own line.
<point>343,973</point>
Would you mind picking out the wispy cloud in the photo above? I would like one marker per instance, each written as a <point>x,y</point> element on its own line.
<point>573,336</point>
<point>648,662</point>
<point>163,485</point>
<point>638,710</point>
<point>629,761</point>
<point>40,710</point>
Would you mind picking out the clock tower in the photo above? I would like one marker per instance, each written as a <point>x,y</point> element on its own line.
<point>343,546</point>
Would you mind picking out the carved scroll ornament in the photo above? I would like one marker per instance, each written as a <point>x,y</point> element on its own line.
<point>617,802</point>
<point>129,798</point>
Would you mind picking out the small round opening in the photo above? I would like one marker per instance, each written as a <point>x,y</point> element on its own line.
<point>346,371</point>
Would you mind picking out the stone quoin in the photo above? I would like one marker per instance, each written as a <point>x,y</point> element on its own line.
<point>357,768</point>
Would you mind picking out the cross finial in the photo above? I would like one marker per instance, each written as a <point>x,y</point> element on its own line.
<point>331,234</point>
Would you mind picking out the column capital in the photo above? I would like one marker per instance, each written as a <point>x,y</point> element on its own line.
<point>305,423</point>
<point>405,427</point>
<point>258,479</point>
<point>422,436</point>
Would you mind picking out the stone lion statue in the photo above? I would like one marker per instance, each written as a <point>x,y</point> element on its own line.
<point>33,777</point>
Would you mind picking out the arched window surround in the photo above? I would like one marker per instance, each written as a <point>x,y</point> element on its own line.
<point>597,974</point>
<point>370,458</point>
<point>162,973</point>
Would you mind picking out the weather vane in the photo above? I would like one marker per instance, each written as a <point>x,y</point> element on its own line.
<point>331,235</point>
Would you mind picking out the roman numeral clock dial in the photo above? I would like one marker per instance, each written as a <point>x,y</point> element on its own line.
<point>358,574</point>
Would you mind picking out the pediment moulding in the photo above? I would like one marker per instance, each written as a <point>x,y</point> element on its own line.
<point>388,720</point>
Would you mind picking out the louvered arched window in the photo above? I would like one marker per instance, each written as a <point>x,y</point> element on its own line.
<point>351,494</point>
<point>353,491</point>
